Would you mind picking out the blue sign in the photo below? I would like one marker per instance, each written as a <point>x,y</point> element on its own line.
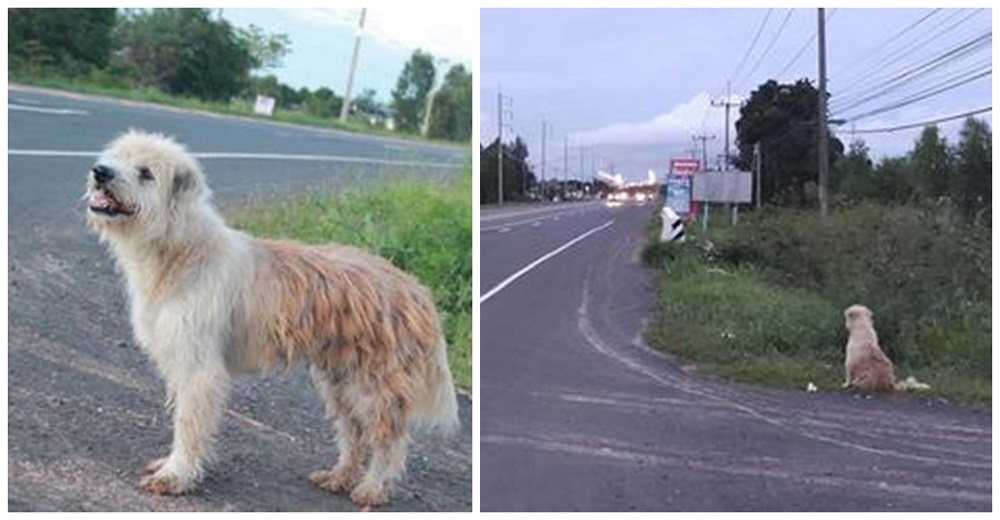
<point>678,193</point>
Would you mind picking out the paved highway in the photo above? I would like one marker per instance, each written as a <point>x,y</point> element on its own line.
<point>578,414</point>
<point>85,408</point>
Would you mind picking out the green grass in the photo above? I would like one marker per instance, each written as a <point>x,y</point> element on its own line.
<point>423,227</point>
<point>99,87</point>
<point>763,303</point>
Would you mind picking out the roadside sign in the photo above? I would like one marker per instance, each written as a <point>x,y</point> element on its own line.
<point>677,187</point>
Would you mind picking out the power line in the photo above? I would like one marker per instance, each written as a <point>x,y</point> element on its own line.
<point>767,49</point>
<point>805,46</point>
<point>948,57</point>
<point>870,53</point>
<point>760,29</point>
<point>924,94</point>
<point>922,123</point>
<point>898,56</point>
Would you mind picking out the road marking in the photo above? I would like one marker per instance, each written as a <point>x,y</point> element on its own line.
<point>261,156</point>
<point>547,209</point>
<point>510,279</point>
<point>503,230</point>
<point>57,111</point>
<point>536,220</point>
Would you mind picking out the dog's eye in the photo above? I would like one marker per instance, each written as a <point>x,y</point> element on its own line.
<point>145,174</point>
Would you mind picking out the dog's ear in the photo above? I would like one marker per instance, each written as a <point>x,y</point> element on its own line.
<point>183,182</point>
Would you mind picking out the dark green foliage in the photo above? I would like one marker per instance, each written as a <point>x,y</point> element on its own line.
<point>518,178</point>
<point>72,40</point>
<point>409,98</point>
<point>184,52</point>
<point>451,117</point>
<point>783,120</point>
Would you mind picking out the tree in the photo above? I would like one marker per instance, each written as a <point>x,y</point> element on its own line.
<point>266,49</point>
<point>366,103</point>
<point>66,38</point>
<point>932,163</point>
<point>518,178</point>
<point>323,103</point>
<point>409,98</point>
<point>854,177</point>
<point>782,118</point>
<point>451,116</point>
<point>184,52</point>
<point>974,172</point>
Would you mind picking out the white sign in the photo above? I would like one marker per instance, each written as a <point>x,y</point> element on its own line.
<point>264,106</point>
<point>735,186</point>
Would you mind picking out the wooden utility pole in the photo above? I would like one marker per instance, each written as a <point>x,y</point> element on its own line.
<point>727,104</point>
<point>544,190</point>
<point>345,108</point>
<point>824,154</point>
<point>499,147</point>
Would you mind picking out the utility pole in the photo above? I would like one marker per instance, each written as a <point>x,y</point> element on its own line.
<point>499,147</point>
<point>727,104</point>
<point>544,190</point>
<point>704,147</point>
<point>565,167</point>
<point>824,155</point>
<point>756,169</point>
<point>441,62</point>
<point>345,108</point>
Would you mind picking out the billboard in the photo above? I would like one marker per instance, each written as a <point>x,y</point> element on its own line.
<point>732,186</point>
<point>677,187</point>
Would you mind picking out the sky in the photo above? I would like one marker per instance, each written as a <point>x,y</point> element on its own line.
<point>630,87</point>
<point>322,41</point>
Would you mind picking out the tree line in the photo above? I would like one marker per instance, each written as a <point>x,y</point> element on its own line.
<point>779,122</point>
<point>191,53</point>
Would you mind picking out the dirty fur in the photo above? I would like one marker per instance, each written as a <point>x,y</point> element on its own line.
<point>209,303</point>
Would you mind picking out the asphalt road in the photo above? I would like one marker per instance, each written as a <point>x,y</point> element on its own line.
<point>577,414</point>
<point>85,406</point>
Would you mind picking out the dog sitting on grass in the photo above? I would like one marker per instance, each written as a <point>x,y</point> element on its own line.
<point>867,368</point>
<point>209,302</point>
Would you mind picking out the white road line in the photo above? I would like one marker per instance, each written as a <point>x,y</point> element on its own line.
<point>505,214</point>
<point>510,279</point>
<point>260,156</point>
<point>514,224</point>
<point>57,111</point>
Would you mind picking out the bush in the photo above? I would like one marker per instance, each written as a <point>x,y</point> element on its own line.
<point>782,278</point>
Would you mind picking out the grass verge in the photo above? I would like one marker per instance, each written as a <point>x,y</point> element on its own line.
<point>235,108</point>
<point>762,302</point>
<point>423,227</point>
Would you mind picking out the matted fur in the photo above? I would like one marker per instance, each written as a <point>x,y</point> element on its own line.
<point>209,302</point>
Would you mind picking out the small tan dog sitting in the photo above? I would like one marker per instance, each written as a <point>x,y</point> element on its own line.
<point>868,368</point>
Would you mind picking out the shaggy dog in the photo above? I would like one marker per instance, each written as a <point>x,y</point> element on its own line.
<point>867,368</point>
<point>209,302</point>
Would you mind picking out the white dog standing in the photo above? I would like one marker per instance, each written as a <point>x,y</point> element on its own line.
<point>209,302</point>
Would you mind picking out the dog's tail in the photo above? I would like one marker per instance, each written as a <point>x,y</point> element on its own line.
<point>911,383</point>
<point>437,408</point>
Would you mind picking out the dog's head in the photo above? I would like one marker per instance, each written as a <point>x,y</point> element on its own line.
<point>139,184</point>
<point>857,314</point>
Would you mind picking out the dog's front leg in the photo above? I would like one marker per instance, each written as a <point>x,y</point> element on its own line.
<point>199,402</point>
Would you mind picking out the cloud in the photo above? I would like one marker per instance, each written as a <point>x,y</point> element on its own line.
<point>445,33</point>
<point>677,125</point>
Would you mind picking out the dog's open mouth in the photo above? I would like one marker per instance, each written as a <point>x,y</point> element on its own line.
<point>104,202</point>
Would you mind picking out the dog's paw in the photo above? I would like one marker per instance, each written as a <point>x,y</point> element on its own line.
<point>154,465</point>
<point>165,484</point>
<point>369,494</point>
<point>333,481</point>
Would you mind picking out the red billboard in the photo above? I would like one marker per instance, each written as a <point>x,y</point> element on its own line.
<point>684,166</point>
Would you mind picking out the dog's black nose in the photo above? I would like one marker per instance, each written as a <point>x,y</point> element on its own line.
<point>102,173</point>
